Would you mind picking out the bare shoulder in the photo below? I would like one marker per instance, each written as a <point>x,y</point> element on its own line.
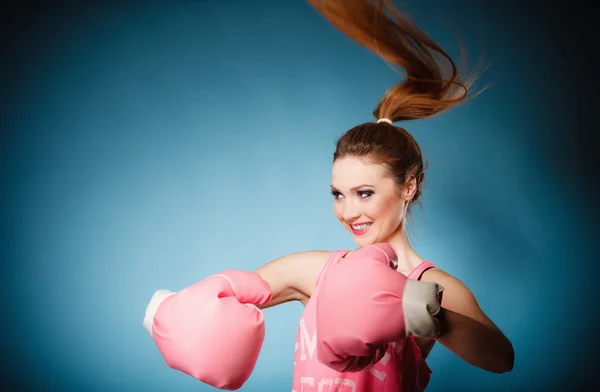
<point>457,296</point>
<point>454,289</point>
<point>293,277</point>
<point>434,274</point>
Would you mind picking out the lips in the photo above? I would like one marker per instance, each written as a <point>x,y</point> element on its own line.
<point>360,228</point>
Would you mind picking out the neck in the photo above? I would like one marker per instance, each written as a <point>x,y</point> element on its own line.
<point>408,259</point>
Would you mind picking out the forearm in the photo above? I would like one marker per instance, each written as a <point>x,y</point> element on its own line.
<point>475,342</point>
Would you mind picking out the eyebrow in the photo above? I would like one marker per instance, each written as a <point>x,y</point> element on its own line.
<point>356,187</point>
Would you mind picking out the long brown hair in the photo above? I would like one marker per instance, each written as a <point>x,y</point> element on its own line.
<point>432,83</point>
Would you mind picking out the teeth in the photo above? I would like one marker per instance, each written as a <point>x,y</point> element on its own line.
<point>361,227</point>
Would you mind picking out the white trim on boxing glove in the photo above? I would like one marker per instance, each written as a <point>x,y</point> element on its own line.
<point>421,303</point>
<point>158,297</point>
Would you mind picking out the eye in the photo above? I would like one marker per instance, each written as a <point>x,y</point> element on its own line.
<point>336,195</point>
<point>365,194</point>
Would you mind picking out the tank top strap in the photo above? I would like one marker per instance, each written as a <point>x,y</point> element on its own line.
<point>416,273</point>
<point>333,258</point>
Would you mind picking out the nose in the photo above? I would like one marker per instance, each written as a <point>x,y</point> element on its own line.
<point>350,211</point>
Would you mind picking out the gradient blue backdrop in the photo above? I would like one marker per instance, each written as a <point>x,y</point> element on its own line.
<point>149,145</point>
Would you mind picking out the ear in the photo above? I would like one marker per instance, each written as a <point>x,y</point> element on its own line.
<point>410,189</point>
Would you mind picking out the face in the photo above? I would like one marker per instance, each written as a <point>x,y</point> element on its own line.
<point>366,200</point>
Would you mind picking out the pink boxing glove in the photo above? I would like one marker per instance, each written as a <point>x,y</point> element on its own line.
<point>364,304</point>
<point>211,330</point>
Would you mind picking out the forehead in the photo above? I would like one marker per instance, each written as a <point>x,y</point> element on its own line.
<point>350,171</point>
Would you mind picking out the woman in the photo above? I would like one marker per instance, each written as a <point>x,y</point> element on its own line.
<point>377,176</point>
<point>213,330</point>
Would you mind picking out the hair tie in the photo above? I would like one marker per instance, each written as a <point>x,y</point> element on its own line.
<point>387,120</point>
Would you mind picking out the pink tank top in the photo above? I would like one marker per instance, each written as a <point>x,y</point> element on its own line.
<point>402,368</point>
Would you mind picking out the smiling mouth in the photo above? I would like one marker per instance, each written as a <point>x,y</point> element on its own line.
<point>361,228</point>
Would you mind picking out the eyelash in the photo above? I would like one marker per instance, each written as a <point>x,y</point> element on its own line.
<point>363,194</point>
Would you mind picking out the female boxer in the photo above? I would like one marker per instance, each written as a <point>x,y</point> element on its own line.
<point>372,315</point>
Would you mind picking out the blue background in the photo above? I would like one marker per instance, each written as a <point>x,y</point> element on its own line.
<point>147,145</point>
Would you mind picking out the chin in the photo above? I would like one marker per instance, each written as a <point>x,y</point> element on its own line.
<point>364,240</point>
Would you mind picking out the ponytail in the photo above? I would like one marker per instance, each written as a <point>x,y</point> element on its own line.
<point>431,84</point>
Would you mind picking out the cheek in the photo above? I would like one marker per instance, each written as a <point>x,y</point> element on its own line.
<point>387,209</point>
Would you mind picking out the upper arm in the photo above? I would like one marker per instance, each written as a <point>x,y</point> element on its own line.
<point>292,277</point>
<point>457,297</point>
